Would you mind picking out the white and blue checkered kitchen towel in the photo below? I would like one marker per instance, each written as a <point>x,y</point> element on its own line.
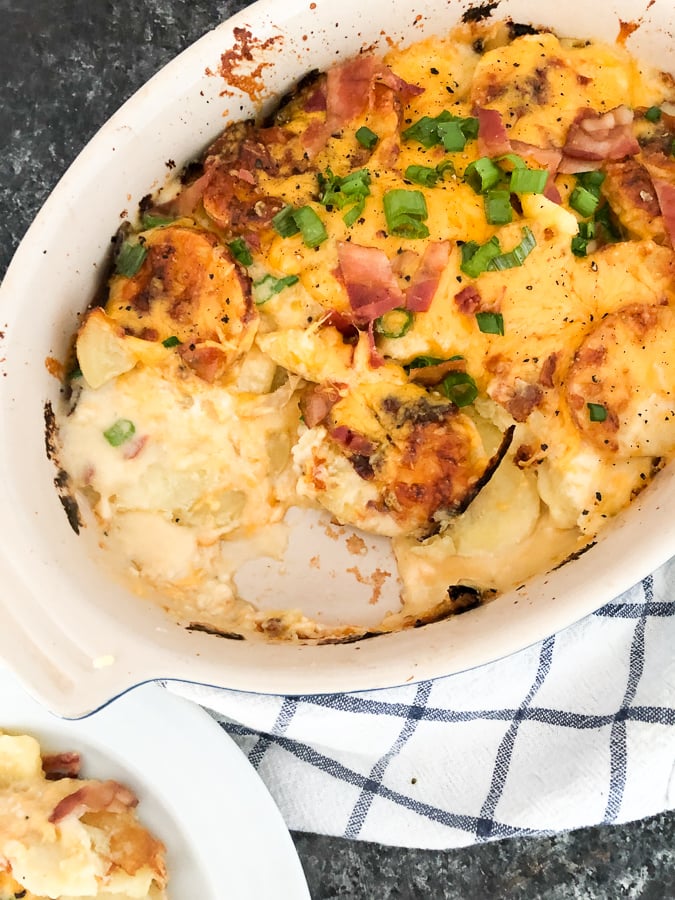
<point>574,731</point>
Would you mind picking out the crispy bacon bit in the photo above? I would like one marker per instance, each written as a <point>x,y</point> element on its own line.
<point>343,324</point>
<point>352,440</point>
<point>665,193</point>
<point>369,280</point>
<point>316,101</point>
<point>523,455</point>
<point>425,280</point>
<point>133,448</point>
<point>548,370</point>
<point>546,157</point>
<point>597,137</point>
<point>525,398</point>
<point>209,363</point>
<point>519,399</point>
<point>551,191</point>
<point>61,765</point>
<point>185,203</point>
<point>317,402</point>
<point>468,300</point>
<point>99,796</point>
<point>493,139</point>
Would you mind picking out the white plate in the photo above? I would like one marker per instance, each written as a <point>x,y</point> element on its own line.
<point>225,837</point>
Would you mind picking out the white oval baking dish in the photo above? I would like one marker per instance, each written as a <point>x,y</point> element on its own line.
<point>73,636</point>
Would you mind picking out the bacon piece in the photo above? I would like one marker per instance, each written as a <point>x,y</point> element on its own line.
<point>548,370</point>
<point>546,157</point>
<point>493,139</point>
<point>665,194</point>
<point>61,765</point>
<point>352,440</point>
<point>209,363</point>
<point>316,101</point>
<point>425,280</point>
<point>317,402</point>
<point>189,197</point>
<point>468,300</point>
<point>595,138</point>
<point>551,191</point>
<point>95,796</point>
<point>525,398</point>
<point>349,90</point>
<point>369,280</point>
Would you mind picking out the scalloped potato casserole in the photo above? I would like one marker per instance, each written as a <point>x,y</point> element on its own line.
<point>432,295</point>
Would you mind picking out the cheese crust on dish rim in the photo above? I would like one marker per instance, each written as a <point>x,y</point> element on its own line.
<point>432,296</point>
<point>67,837</point>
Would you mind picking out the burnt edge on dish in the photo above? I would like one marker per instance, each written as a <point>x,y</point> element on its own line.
<point>61,481</point>
<point>573,556</point>
<point>208,629</point>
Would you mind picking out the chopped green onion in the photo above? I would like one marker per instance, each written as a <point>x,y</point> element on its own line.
<point>422,362</point>
<point>424,131</point>
<point>460,388</point>
<point>452,136</point>
<point>583,201</point>
<point>354,213</point>
<point>482,174</point>
<point>395,323</point>
<point>596,412</point>
<point>240,250</point>
<point>155,220</point>
<point>498,209</point>
<point>120,432</point>
<point>290,221</point>
<point>423,175</point>
<point>405,212</point>
<point>490,322</point>
<point>581,240</point>
<point>366,137</point>
<point>476,258</point>
<point>284,222</point>
<point>268,286</point>
<point>351,187</point>
<point>310,225</point>
<point>172,341</point>
<point>592,181</point>
<point>447,166</point>
<point>75,372</point>
<point>528,181</point>
<point>517,256</point>
<point>653,114</point>
<point>336,191</point>
<point>516,161</point>
<point>429,132</point>
<point>130,258</point>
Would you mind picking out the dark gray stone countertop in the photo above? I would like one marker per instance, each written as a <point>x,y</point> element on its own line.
<point>65,66</point>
